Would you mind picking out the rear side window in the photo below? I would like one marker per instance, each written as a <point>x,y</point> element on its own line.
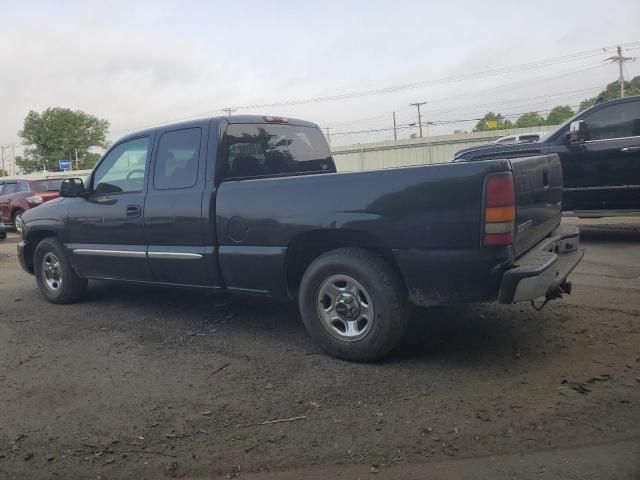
<point>273,150</point>
<point>529,138</point>
<point>47,185</point>
<point>614,121</point>
<point>10,188</point>
<point>177,159</point>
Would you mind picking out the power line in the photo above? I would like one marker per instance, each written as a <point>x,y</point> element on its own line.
<point>501,88</point>
<point>397,88</point>
<point>435,122</point>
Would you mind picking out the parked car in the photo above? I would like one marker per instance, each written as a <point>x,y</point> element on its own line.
<point>3,231</point>
<point>18,196</point>
<point>521,138</point>
<point>599,150</point>
<point>254,205</point>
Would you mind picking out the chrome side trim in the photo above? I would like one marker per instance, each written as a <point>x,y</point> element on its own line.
<point>611,139</point>
<point>175,255</point>
<point>110,253</point>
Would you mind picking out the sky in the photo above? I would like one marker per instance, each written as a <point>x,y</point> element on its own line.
<point>139,64</point>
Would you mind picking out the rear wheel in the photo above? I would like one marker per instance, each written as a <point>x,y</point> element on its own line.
<point>56,278</point>
<point>353,304</point>
<point>17,220</point>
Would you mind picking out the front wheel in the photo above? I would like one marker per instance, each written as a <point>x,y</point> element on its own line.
<point>55,276</point>
<point>354,304</point>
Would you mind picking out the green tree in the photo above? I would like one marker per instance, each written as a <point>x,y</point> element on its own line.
<point>61,133</point>
<point>3,173</point>
<point>530,119</point>
<point>559,114</point>
<point>500,122</point>
<point>612,91</point>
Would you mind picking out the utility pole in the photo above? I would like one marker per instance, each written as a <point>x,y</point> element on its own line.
<point>429,137</point>
<point>327,129</point>
<point>395,131</point>
<point>418,104</point>
<point>13,159</point>
<point>3,147</point>
<point>229,110</point>
<point>620,60</point>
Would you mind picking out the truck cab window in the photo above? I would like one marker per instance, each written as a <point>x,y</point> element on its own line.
<point>273,150</point>
<point>177,159</point>
<point>614,121</point>
<point>123,170</point>
<point>10,188</point>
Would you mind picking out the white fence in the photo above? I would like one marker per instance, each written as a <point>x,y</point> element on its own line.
<point>415,151</point>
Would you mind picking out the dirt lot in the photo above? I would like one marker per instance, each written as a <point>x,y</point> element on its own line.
<point>144,383</point>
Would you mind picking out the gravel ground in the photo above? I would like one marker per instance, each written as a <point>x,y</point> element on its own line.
<point>137,382</point>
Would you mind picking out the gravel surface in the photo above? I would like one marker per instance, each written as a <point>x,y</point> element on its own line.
<point>137,382</point>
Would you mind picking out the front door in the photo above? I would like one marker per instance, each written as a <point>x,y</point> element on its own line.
<point>105,231</point>
<point>603,173</point>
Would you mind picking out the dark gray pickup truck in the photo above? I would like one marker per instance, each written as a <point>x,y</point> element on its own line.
<point>254,205</point>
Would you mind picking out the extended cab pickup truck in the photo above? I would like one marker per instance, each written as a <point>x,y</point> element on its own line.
<point>254,205</point>
<point>600,154</point>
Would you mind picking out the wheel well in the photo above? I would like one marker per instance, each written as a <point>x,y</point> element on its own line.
<point>14,210</point>
<point>32,242</point>
<point>308,246</point>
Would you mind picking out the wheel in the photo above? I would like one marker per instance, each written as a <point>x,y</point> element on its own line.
<point>55,276</point>
<point>17,220</point>
<point>353,304</point>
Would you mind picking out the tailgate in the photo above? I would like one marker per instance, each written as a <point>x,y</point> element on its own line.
<point>538,189</point>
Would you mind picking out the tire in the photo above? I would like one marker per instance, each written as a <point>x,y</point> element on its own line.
<point>353,304</point>
<point>55,276</point>
<point>17,220</point>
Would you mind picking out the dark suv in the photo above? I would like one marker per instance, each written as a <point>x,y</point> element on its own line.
<point>18,196</point>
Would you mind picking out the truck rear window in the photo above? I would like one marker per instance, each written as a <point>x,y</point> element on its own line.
<point>52,185</point>
<point>272,150</point>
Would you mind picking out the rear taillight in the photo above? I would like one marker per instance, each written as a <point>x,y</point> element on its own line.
<point>499,209</point>
<point>35,200</point>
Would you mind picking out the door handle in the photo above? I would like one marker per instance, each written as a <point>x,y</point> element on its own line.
<point>133,210</point>
<point>103,200</point>
<point>630,149</point>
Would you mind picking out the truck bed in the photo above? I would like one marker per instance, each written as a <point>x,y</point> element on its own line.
<point>435,210</point>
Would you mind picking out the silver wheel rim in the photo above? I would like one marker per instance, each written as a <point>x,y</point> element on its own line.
<point>51,272</point>
<point>345,308</point>
<point>17,223</point>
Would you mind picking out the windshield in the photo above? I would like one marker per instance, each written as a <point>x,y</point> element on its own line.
<point>51,185</point>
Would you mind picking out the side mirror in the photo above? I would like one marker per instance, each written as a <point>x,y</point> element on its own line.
<point>578,132</point>
<point>72,187</point>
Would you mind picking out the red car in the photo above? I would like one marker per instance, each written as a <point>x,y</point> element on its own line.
<point>17,196</point>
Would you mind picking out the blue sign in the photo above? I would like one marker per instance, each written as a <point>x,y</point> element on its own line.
<point>64,165</point>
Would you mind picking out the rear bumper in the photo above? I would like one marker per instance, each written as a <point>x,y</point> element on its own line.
<point>542,270</point>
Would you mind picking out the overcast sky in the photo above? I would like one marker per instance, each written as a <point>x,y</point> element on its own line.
<point>139,63</point>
